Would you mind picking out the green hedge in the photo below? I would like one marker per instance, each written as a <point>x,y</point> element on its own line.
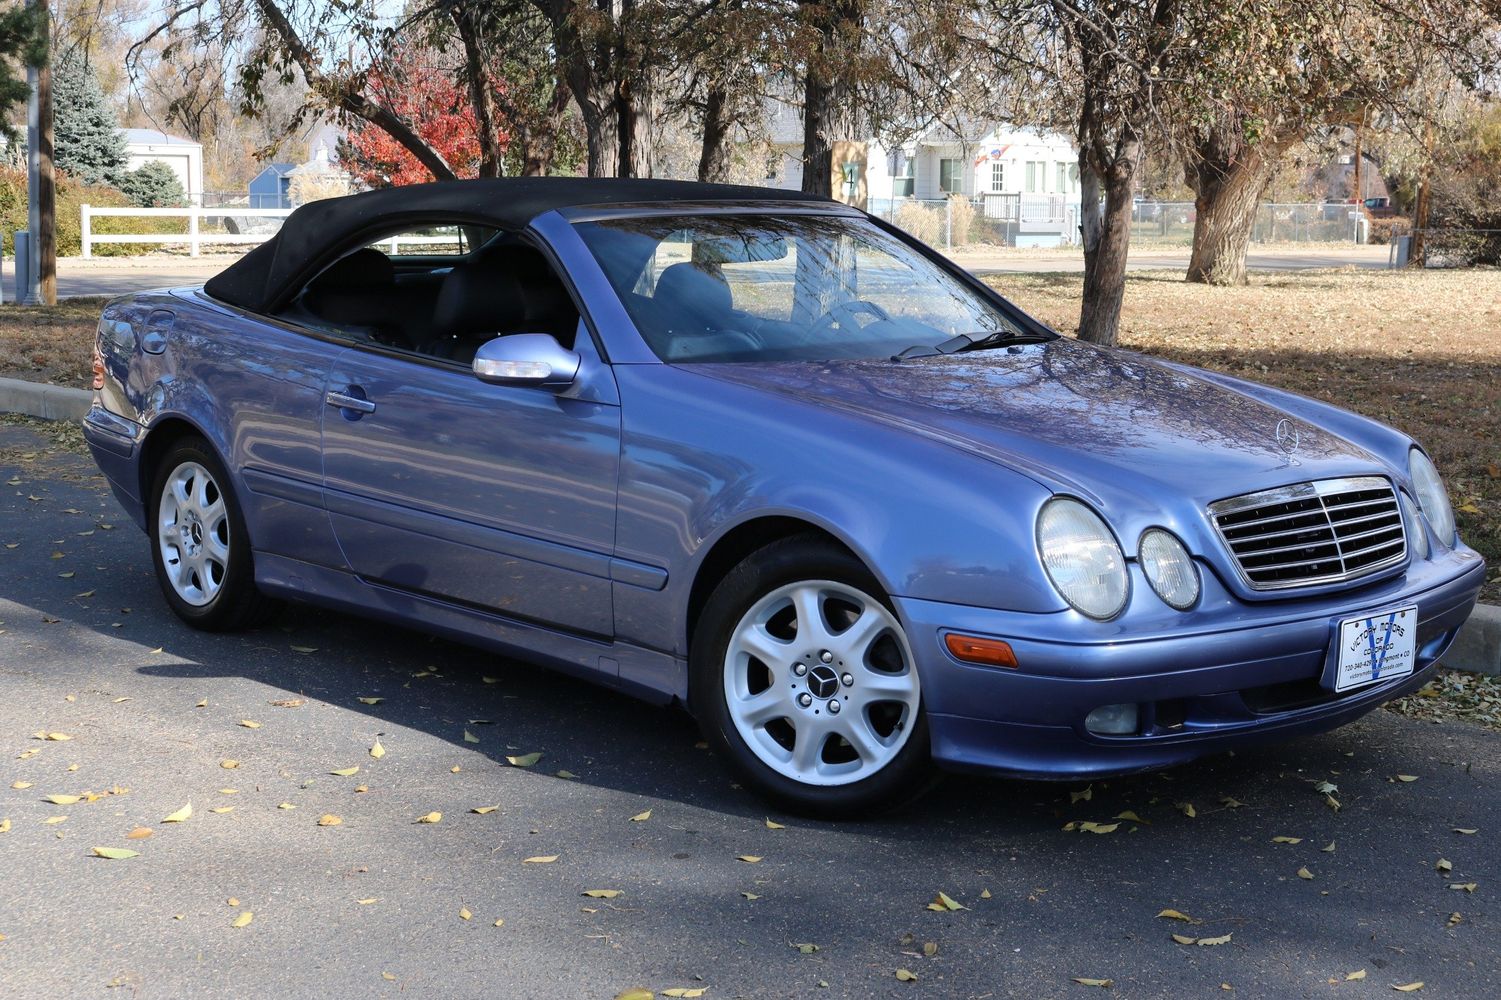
<point>71,197</point>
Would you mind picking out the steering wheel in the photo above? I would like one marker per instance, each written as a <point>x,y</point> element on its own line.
<point>842,315</point>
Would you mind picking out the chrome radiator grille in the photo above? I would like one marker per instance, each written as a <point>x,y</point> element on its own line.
<point>1327,531</point>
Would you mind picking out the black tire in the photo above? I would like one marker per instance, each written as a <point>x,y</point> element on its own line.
<point>909,774</point>
<point>237,604</point>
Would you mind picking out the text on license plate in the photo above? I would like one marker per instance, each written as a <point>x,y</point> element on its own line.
<point>1377,647</point>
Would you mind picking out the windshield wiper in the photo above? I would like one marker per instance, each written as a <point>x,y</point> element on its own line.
<point>978,341</point>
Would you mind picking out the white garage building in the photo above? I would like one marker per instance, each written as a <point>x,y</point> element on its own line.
<point>184,156</point>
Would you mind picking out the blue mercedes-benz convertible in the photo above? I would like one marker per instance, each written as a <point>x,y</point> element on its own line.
<point>768,457</point>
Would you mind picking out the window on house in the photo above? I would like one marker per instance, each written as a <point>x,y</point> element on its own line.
<point>1035,176</point>
<point>950,176</point>
<point>902,180</point>
<point>997,176</point>
<point>1062,178</point>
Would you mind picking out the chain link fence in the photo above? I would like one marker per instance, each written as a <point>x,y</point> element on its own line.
<point>1041,220</point>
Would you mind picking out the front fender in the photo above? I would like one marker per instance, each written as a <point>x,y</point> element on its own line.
<point>702,457</point>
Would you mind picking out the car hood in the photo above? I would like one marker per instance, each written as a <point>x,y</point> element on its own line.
<point>1105,424</point>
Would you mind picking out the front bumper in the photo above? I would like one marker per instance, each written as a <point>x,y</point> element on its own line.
<point>1252,674</point>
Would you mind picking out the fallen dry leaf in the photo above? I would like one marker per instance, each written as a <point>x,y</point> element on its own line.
<point>370,701</point>
<point>944,902</point>
<point>1406,778</point>
<point>1464,886</point>
<point>1187,809</point>
<point>1131,817</point>
<point>329,819</point>
<point>377,751</point>
<point>464,913</point>
<point>750,859</point>
<point>1304,873</point>
<point>635,994</point>
<point>115,853</point>
<point>1086,981</point>
<point>906,975</point>
<point>484,810</point>
<point>221,810</point>
<point>139,833</point>
<point>432,817</point>
<point>1084,796</point>
<point>1467,833</point>
<point>1177,915</point>
<point>1443,865</point>
<point>1408,987</point>
<point>641,817</point>
<point>180,816</point>
<point>62,800</point>
<point>524,760</point>
<point>1215,940</point>
<point>540,859</point>
<point>229,765</point>
<point>345,772</point>
<point>470,737</point>
<point>243,920</point>
<point>749,895</point>
<point>601,893</point>
<point>250,724</point>
<point>770,825</point>
<point>685,991</point>
<point>1356,976</point>
<point>1287,840</point>
<point>20,785</point>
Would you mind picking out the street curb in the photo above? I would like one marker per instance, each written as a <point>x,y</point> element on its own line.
<point>1477,649</point>
<point>50,402</point>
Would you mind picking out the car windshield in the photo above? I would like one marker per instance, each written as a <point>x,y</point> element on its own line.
<point>752,287</point>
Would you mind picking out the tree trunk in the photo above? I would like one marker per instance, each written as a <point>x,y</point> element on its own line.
<point>818,139</point>
<point>633,105</point>
<point>540,143</point>
<point>1105,235</point>
<point>1226,198</point>
<point>597,108</point>
<point>481,93</point>
<point>714,156</point>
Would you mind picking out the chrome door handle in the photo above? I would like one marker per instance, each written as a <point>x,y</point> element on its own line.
<point>344,401</point>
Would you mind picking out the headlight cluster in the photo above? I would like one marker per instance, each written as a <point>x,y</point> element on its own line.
<point>1433,499</point>
<point>1087,567</point>
<point>1082,558</point>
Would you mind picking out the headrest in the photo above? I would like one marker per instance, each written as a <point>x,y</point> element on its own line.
<point>688,289</point>
<point>365,268</point>
<point>486,293</point>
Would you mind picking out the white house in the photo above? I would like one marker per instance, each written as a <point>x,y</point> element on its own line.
<point>184,156</point>
<point>1024,179</point>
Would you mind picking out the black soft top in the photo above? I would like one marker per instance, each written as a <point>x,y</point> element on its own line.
<point>315,233</point>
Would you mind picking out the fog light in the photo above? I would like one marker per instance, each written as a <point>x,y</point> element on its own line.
<point>1112,720</point>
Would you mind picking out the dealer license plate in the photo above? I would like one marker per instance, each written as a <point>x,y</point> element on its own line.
<point>1376,648</point>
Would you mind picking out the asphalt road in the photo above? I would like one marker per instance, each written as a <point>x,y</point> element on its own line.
<point>103,276</point>
<point>373,907</point>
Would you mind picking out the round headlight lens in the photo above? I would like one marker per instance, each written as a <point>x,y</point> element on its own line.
<point>1169,568</point>
<point>1433,499</point>
<point>1082,558</point>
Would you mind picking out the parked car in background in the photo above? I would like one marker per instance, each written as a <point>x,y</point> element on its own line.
<point>764,456</point>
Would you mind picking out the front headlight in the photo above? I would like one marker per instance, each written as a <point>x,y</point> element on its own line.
<point>1082,558</point>
<point>1169,568</point>
<point>1433,499</point>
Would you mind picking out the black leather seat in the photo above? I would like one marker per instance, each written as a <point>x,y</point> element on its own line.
<point>500,290</point>
<point>693,299</point>
<point>358,293</point>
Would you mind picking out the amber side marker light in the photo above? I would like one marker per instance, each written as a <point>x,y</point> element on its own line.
<point>975,649</point>
<point>98,371</point>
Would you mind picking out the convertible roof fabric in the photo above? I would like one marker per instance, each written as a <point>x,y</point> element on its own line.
<point>262,279</point>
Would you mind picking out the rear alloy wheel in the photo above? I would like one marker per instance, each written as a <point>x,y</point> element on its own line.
<point>818,701</point>
<point>199,544</point>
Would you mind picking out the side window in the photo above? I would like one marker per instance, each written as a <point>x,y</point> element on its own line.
<point>425,241</point>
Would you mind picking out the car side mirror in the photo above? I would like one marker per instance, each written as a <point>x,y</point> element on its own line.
<point>526,359</point>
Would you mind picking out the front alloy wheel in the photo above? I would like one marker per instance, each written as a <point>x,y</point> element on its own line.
<point>816,699</point>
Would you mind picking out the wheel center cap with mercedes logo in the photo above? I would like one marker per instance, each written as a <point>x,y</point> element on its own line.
<point>823,681</point>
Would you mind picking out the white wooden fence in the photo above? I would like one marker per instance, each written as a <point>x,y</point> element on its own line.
<point>196,237</point>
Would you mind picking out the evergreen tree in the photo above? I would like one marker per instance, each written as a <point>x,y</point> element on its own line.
<point>154,185</point>
<point>23,42</point>
<point>87,137</point>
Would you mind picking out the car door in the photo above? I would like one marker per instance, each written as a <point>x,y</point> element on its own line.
<point>499,498</point>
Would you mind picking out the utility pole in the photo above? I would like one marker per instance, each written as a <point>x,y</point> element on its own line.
<point>41,283</point>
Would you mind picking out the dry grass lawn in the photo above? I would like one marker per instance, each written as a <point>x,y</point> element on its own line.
<point>50,344</point>
<point>1418,350</point>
